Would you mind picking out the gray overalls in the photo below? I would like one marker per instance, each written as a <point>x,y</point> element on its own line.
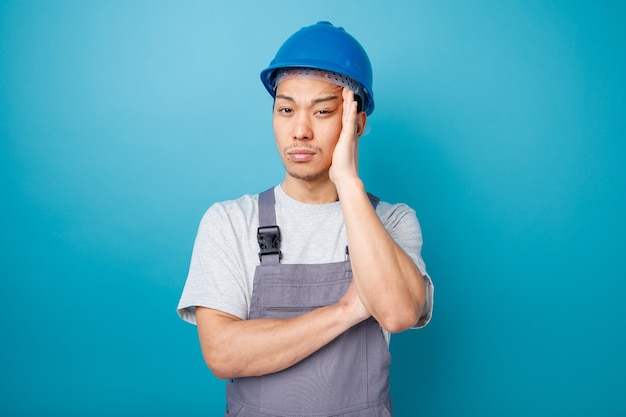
<point>347,377</point>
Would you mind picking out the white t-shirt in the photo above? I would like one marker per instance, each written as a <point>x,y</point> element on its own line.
<point>225,252</point>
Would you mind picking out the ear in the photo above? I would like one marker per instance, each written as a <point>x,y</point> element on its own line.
<point>361,120</point>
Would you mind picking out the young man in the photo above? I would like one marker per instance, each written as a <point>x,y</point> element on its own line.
<point>295,291</point>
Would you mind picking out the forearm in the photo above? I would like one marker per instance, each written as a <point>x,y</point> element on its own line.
<point>388,281</point>
<point>237,348</point>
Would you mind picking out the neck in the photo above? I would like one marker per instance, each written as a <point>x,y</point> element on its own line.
<point>320,191</point>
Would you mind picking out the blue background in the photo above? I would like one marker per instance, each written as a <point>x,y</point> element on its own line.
<point>500,122</point>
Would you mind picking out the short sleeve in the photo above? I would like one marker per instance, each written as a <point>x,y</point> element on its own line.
<point>402,224</point>
<point>217,277</point>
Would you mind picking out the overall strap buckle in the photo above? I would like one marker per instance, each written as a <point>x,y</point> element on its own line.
<point>269,241</point>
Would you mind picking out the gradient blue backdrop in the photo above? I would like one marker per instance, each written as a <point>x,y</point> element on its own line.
<point>500,122</point>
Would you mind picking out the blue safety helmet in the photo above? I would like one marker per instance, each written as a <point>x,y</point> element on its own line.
<point>325,47</point>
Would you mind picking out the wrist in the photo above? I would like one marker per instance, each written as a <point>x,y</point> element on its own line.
<point>351,312</point>
<point>349,185</point>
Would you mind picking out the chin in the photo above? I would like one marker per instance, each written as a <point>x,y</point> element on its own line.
<point>306,176</point>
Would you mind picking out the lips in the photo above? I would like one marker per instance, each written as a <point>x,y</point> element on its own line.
<point>301,155</point>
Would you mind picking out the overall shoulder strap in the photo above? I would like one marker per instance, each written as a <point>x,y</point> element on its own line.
<point>373,199</point>
<point>267,214</point>
<point>268,234</point>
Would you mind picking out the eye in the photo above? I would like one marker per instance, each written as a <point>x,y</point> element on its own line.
<point>285,110</point>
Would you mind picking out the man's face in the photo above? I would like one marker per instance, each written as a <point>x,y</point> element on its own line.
<point>307,123</point>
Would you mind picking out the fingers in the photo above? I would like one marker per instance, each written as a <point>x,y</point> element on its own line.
<point>345,155</point>
<point>349,111</point>
<point>349,103</point>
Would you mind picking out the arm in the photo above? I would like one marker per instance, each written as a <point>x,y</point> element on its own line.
<point>387,280</point>
<point>237,348</point>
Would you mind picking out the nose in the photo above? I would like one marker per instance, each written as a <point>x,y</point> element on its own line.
<point>302,129</point>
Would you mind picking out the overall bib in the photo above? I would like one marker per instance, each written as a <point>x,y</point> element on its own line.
<point>347,377</point>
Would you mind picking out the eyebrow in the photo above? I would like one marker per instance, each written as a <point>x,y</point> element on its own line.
<point>314,101</point>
